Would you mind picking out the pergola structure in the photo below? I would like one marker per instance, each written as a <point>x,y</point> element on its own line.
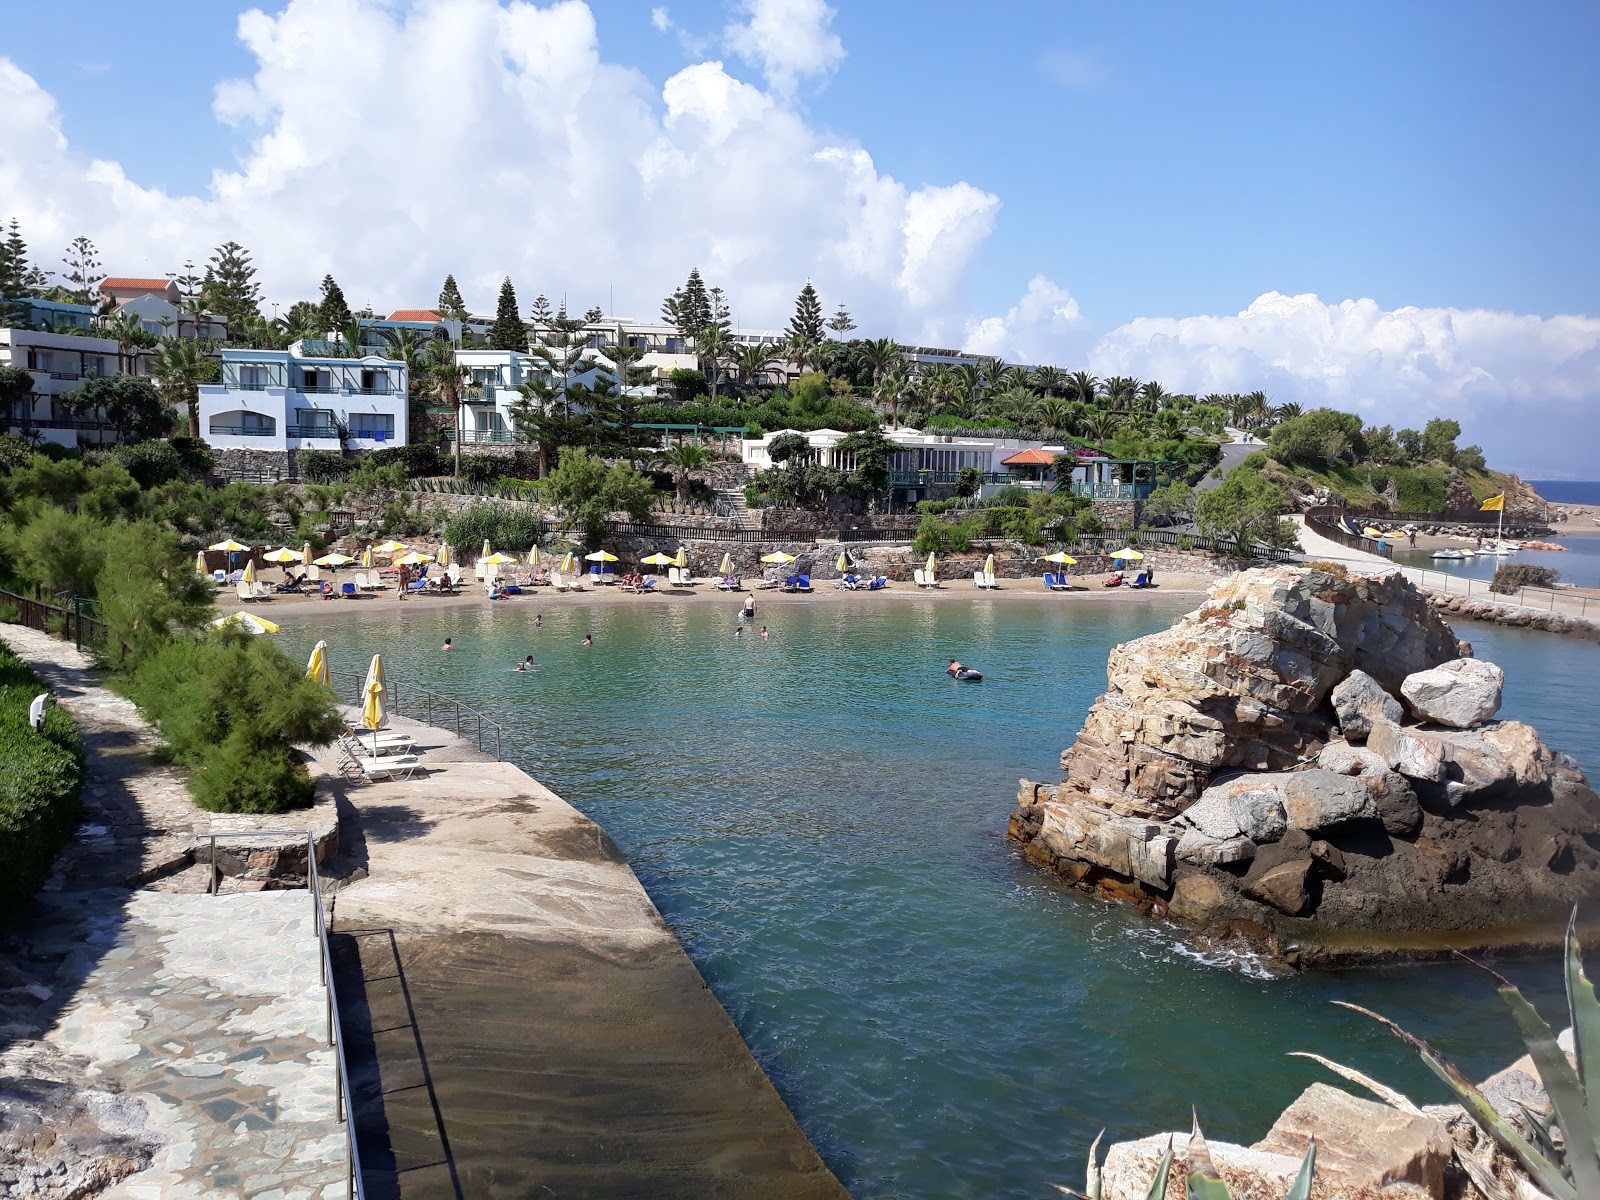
<point>1122,478</point>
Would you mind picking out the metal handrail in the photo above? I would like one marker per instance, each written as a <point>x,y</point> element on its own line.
<point>435,708</point>
<point>355,1189</point>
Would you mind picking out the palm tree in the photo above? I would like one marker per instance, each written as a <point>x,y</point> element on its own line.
<point>1153,394</point>
<point>126,328</point>
<point>1057,413</point>
<point>971,377</point>
<point>448,380</point>
<point>1258,409</point>
<point>1284,411</point>
<point>994,374</point>
<point>940,385</point>
<point>881,354</point>
<point>1082,387</point>
<point>181,369</point>
<point>683,459</point>
<point>753,363</point>
<point>1101,425</point>
<point>802,352</point>
<point>1048,380</point>
<point>1017,403</point>
<point>889,391</point>
<point>712,344</point>
<point>1120,391</point>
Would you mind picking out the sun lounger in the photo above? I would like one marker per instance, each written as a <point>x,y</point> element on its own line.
<point>802,583</point>
<point>882,581</point>
<point>371,581</point>
<point>249,591</point>
<point>984,579</point>
<point>348,591</point>
<point>374,767</point>
<point>1056,582</point>
<point>925,578</point>
<point>643,586</point>
<point>674,577</point>
<point>686,578</point>
<point>1142,579</point>
<point>847,583</point>
<point>728,584</point>
<point>377,743</point>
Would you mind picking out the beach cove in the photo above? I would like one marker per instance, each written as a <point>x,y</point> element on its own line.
<point>820,819</point>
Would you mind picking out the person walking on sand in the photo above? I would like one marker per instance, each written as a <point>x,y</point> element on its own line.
<point>405,578</point>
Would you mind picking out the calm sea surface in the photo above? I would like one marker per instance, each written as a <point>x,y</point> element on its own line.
<point>1578,564</point>
<point>821,817</point>
<point>1567,491</point>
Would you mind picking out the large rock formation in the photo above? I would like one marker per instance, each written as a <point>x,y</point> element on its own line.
<point>1221,780</point>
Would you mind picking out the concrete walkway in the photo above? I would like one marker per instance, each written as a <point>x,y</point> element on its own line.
<point>521,1020</point>
<point>182,1033</point>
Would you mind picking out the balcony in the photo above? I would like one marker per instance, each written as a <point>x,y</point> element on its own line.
<point>1114,491</point>
<point>372,435</point>
<point>473,437</point>
<point>312,431</point>
<point>380,390</point>
<point>242,431</point>
<point>317,389</point>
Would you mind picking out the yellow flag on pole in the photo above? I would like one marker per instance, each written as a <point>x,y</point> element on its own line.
<point>1494,504</point>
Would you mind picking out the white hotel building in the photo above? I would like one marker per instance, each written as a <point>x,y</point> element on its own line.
<point>281,400</point>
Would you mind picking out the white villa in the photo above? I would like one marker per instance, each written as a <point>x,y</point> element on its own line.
<point>156,303</point>
<point>59,363</point>
<point>282,400</point>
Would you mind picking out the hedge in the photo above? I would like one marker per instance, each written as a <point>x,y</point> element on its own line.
<point>40,786</point>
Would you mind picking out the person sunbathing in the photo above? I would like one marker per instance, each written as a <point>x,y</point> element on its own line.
<point>1114,581</point>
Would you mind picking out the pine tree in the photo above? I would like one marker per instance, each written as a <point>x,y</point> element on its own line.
<point>696,303</point>
<point>189,283</point>
<point>721,318</point>
<point>542,316</point>
<point>841,322</point>
<point>595,315</point>
<point>451,305</point>
<point>508,332</point>
<point>230,289</point>
<point>20,278</point>
<point>333,314</point>
<point>83,269</point>
<point>806,324</point>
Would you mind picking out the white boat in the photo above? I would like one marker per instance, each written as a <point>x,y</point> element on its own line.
<point>1453,555</point>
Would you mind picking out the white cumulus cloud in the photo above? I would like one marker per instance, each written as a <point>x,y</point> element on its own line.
<point>788,39</point>
<point>1045,326</point>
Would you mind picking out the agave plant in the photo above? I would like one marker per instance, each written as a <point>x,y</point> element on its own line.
<point>1203,1181</point>
<point>1560,1153</point>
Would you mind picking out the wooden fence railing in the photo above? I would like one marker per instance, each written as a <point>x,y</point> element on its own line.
<point>83,629</point>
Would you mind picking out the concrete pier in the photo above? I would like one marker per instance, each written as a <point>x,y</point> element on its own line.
<point>522,1020</point>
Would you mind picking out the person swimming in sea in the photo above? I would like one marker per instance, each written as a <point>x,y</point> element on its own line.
<point>588,640</point>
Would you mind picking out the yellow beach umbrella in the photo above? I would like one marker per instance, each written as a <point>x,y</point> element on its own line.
<point>373,694</point>
<point>841,564</point>
<point>932,564</point>
<point>777,556</point>
<point>486,550</point>
<point>366,557</point>
<point>284,555</point>
<point>603,556</point>
<point>247,621</point>
<point>334,559</point>
<point>390,547</point>
<point>414,558</point>
<point>683,558</point>
<point>495,560</point>
<point>726,566</point>
<point>533,556</point>
<point>1127,552</point>
<point>1061,556</point>
<point>231,546</point>
<point>249,575</point>
<point>444,554</point>
<point>305,555</point>
<point>567,564</point>
<point>658,560</point>
<point>317,668</point>
<point>988,565</point>
<point>200,562</point>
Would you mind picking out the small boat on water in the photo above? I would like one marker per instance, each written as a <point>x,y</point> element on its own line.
<point>1452,555</point>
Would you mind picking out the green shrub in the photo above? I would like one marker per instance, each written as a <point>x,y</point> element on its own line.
<point>418,458</point>
<point>506,526</point>
<point>1009,495</point>
<point>1256,460</point>
<point>481,468</point>
<point>323,466</point>
<point>195,454</point>
<point>14,452</point>
<point>946,537</point>
<point>39,788</point>
<point>152,463</point>
<point>233,707</point>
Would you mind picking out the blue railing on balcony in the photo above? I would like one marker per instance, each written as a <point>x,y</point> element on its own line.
<point>313,431</point>
<point>242,430</point>
<point>317,389</point>
<point>372,435</point>
<point>924,478</point>
<point>471,437</point>
<point>381,390</point>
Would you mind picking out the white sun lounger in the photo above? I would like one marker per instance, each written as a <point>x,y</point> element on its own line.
<point>368,742</point>
<point>370,768</point>
<point>250,591</point>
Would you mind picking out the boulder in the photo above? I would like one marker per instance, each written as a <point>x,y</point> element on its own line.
<point>1140,850</point>
<point>1366,1147</point>
<point>1199,900</point>
<point>1344,759</point>
<point>1315,800</point>
<point>1206,851</point>
<point>1460,694</point>
<point>1242,683</point>
<point>1398,807</point>
<point>1463,764</point>
<point>1406,751</point>
<point>1360,700</point>
<point>1248,805</point>
<point>1286,887</point>
<point>1247,1172</point>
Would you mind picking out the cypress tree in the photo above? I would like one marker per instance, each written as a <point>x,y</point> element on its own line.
<point>333,314</point>
<point>230,289</point>
<point>451,304</point>
<point>508,332</point>
<point>806,324</point>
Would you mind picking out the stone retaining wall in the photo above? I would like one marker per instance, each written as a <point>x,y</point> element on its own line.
<point>1476,608</point>
<point>236,462</point>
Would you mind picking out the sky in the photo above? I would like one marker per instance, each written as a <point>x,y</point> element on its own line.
<point>1387,208</point>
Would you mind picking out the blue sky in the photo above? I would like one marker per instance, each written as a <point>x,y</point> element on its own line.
<point>1143,161</point>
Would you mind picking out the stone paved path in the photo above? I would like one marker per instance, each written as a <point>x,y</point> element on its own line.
<point>206,1012</point>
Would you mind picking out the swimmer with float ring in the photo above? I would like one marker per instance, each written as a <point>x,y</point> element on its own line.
<point>956,671</point>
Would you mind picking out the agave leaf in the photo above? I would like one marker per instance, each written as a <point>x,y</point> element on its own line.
<point>1158,1185</point>
<point>1203,1183</point>
<point>1584,1010</point>
<point>1544,1172</point>
<point>1561,1084</point>
<point>1539,1129</point>
<point>1382,1091</point>
<point>1301,1188</point>
<point>1094,1180</point>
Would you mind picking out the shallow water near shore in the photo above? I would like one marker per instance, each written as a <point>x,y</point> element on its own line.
<point>821,817</point>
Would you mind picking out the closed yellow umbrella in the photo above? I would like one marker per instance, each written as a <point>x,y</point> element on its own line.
<point>305,555</point>
<point>317,668</point>
<point>567,564</point>
<point>373,694</point>
<point>249,571</point>
<point>248,622</point>
<point>284,555</point>
<point>683,558</point>
<point>200,562</point>
<point>486,550</point>
<point>444,554</point>
<point>533,556</point>
<point>1061,556</point>
<point>841,564</point>
<point>726,566</point>
<point>366,557</point>
<point>932,564</point>
<point>988,565</point>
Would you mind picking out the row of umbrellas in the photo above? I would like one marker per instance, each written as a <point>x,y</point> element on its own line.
<point>374,689</point>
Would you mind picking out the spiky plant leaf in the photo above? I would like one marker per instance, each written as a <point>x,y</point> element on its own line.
<point>1584,1010</point>
<point>1383,1092</point>
<point>1545,1173</point>
<point>1204,1183</point>
<point>1560,1084</point>
<point>1301,1188</point>
<point>1538,1126</point>
<point>1158,1186</point>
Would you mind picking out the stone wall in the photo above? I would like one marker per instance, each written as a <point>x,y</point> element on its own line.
<point>1119,513</point>
<point>1518,616</point>
<point>234,463</point>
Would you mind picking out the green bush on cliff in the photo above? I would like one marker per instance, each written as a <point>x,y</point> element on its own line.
<point>39,787</point>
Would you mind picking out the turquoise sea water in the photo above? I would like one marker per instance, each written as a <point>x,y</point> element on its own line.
<point>821,817</point>
<point>1578,564</point>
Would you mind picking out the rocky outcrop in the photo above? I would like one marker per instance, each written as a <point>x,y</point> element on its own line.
<point>1253,771</point>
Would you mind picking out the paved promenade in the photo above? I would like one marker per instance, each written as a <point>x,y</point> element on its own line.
<point>184,1032</point>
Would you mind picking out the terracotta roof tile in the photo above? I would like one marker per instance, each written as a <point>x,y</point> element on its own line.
<point>129,283</point>
<point>1029,458</point>
<point>414,314</point>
